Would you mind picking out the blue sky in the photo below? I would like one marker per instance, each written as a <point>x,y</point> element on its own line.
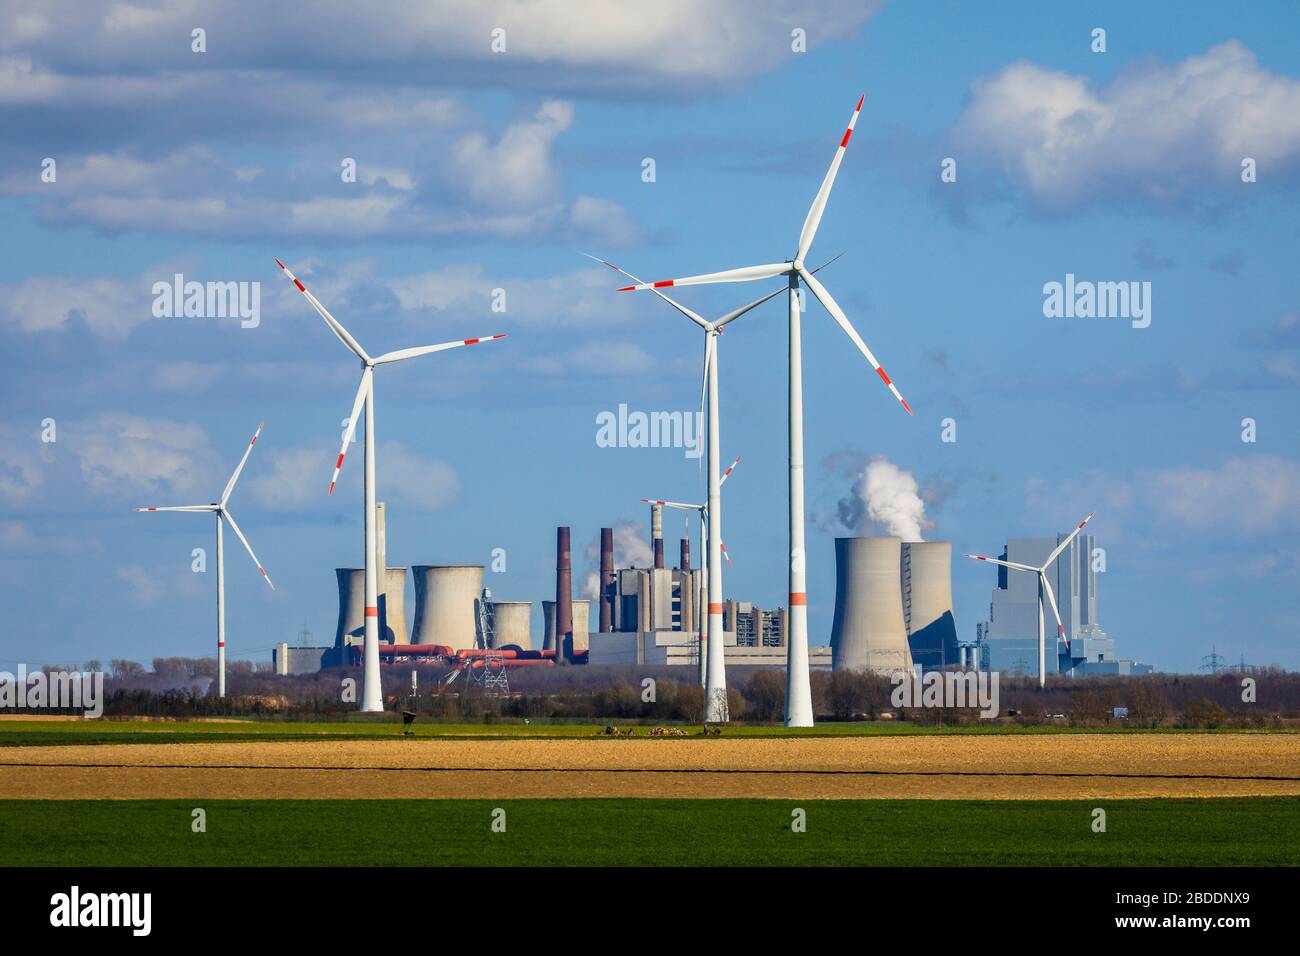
<point>481,170</point>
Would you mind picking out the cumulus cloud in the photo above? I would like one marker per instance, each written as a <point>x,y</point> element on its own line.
<point>503,187</point>
<point>624,46</point>
<point>119,453</point>
<point>1247,496</point>
<point>1161,130</point>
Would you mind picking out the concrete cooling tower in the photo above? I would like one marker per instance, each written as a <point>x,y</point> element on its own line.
<point>581,630</point>
<point>869,632</point>
<point>352,608</point>
<point>581,619</point>
<point>512,624</point>
<point>927,603</point>
<point>446,604</point>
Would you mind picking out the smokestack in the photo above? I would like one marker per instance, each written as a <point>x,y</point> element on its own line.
<point>657,533</point>
<point>606,580</point>
<point>563,596</point>
<point>685,561</point>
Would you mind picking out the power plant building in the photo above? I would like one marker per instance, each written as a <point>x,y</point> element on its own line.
<point>1008,641</point>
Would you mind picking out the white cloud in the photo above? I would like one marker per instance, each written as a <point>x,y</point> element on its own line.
<point>298,478</point>
<point>549,42</point>
<point>507,188</point>
<point>120,453</point>
<point>1244,497</point>
<point>515,172</point>
<point>1160,130</point>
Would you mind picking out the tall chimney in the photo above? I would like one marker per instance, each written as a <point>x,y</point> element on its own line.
<point>563,596</point>
<point>685,561</point>
<point>657,533</point>
<point>606,579</point>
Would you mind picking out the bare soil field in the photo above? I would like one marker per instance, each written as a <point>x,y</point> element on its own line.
<point>1075,766</point>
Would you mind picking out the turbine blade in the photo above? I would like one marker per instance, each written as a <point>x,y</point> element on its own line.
<point>343,335</point>
<point>426,349</point>
<point>230,485</point>
<point>1062,546</point>
<point>723,545</point>
<point>673,302</point>
<point>1051,599</point>
<point>732,316</point>
<point>814,218</point>
<point>363,392</point>
<point>745,274</point>
<point>825,298</point>
<point>671,504</point>
<point>1005,564</point>
<point>723,480</point>
<point>247,547</point>
<point>180,508</point>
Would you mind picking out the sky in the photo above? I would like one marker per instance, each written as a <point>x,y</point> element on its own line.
<point>493,144</point>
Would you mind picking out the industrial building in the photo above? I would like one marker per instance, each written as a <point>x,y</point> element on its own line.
<point>651,616</point>
<point>1008,641</point>
<point>644,616</point>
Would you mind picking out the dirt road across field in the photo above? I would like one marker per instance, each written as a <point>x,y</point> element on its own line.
<point>1011,767</point>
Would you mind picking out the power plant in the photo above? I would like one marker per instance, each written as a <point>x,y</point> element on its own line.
<point>869,632</point>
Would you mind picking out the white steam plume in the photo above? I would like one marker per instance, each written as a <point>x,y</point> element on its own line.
<point>885,496</point>
<point>631,549</point>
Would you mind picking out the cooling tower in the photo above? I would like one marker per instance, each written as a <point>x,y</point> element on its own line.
<point>352,608</point>
<point>446,604</point>
<point>927,603</point>
<point>581,629</point>
<point>869,632</point>
<point>512,623</point>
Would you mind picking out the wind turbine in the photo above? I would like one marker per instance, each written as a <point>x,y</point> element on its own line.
<point>713,659</point>
<point>798,698</point>
<point>223,514</point>
<point>1044,588</point>
<point>371,695</point>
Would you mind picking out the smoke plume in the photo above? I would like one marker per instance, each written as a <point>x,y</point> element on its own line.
<point>631,549</point>
<point>886,497</point>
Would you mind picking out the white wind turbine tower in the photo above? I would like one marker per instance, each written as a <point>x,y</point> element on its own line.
<point>1044,588</point>
<point>223,514</point>
<point>371,696</point>
<point>713,659</point>
<point>798,705</point>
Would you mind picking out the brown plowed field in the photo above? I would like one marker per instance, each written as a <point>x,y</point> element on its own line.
<point>966,767</point>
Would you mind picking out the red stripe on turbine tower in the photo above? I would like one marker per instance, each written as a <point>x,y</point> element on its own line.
<point>799,599</point>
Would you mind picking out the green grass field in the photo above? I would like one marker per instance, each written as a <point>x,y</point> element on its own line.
<point>1258,831</point>
<point>20,733</point>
